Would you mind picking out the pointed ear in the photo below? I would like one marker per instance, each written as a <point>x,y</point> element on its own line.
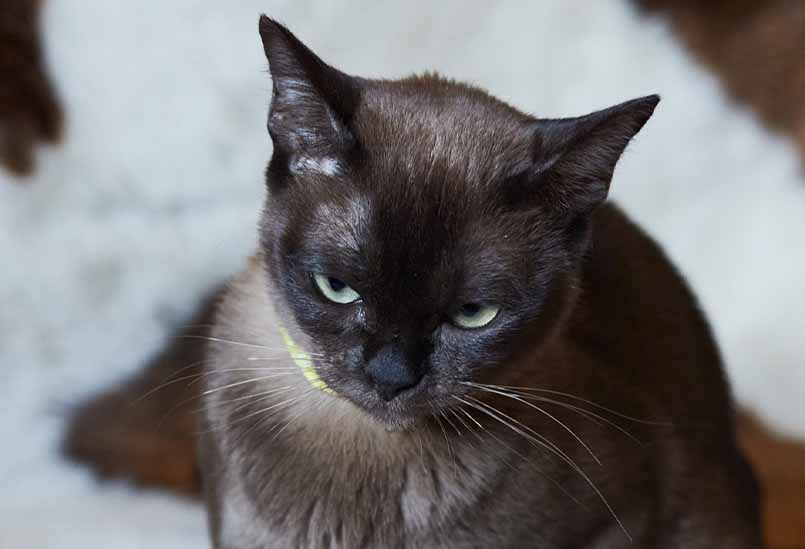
<point>574,158</point>
<point>312,104</point>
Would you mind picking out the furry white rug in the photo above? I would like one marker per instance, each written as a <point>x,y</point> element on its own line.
<point>154,196</point>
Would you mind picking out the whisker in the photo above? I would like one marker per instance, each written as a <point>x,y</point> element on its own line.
<point>239,343</point>
<point>590,402</point>
<point>449,446</point>
<point>421,452</point>
<point>460,420</point>
<point>540,410</point>
<point>222,371</point>
<point>256,397</point>
<point>195,397</point>
<point>492,412</point>
<point>520,455</point>
<point>197,377</point>
<point>524,430</point>
<point>286,357</point>
<point>481,427</point>
<point>262,417</point>
<point>542,438</point>
<point>287,424</point>
<point>283,403</point>
<point>447,419</point>
<point>592,416</point>
<point>244,382</point>
<point>164,382</point>
<point>261,414</point>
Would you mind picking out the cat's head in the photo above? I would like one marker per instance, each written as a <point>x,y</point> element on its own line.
<point>419,231</point>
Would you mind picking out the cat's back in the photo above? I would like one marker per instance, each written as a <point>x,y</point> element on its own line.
<point>637,311</point>
<point>643,326</point>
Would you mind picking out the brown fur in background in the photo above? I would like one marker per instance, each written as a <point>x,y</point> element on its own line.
<point>145,429</point>
<point>29,110</point>
<point>125,434</point>
<point>779,464</point>
<point>756,47</point>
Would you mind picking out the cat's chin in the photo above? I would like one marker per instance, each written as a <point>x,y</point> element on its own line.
<point>400,425</point>
<point>391,421</point>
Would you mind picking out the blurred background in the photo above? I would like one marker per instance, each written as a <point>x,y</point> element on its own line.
<point>152,195</point>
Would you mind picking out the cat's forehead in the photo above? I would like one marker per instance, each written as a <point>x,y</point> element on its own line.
<point>403,226</point>
<point>344,222</point>
<point>429,128</point>
<point>433,154</point>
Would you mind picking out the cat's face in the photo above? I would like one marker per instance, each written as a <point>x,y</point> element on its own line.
<point>420,231</point>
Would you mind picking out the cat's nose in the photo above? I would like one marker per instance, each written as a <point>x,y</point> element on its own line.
<point>390,372</point>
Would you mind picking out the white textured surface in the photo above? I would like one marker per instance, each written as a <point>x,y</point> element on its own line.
<point>155,193</point>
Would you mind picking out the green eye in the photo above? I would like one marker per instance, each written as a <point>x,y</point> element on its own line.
<point>474,315</point>
<point>335,290</point>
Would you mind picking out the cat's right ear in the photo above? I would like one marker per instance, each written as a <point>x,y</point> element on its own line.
<point>312,104</point>
<point>574,158</point>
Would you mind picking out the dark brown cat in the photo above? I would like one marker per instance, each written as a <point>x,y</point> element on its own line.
<point>29,110</point>
<point>447,340</point>
<point>482,339</point>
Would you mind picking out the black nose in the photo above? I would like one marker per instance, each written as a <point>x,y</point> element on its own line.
<point>390,373</point>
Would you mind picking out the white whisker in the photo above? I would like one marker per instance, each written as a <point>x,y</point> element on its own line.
<point>449,446</point>
<point>244,382</point>
<point>286,357</point>
<point>590,415</point>
<point>590,402</point>
<point>283,403</point>
<point>492,412</point>
<point>256,397</point>
<point>239,343</point>
<point>540,410</point>
<point>518,454</point>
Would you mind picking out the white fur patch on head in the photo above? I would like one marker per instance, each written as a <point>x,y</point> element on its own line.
<point>293,89</point>
<point>306,164</point>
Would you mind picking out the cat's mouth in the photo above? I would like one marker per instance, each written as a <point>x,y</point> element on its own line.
<point>402,413</point>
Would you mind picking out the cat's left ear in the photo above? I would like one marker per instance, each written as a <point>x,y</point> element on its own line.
<point>574,158</point>
<point>312,104</point>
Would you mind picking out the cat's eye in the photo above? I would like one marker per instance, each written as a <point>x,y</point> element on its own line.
<point>474,315</point>
<point>335,290</point>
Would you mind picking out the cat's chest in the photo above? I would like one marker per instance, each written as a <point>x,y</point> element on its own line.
<point>353,495</point>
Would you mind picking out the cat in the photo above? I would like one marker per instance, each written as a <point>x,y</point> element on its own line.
<point>447,339</point>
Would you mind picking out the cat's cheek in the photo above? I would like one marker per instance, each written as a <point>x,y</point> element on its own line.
<point>469,350</point>
<point>343,371</point>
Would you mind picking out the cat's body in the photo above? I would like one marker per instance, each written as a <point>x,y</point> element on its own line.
<point>333,477</point>
<point>491,358</point>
